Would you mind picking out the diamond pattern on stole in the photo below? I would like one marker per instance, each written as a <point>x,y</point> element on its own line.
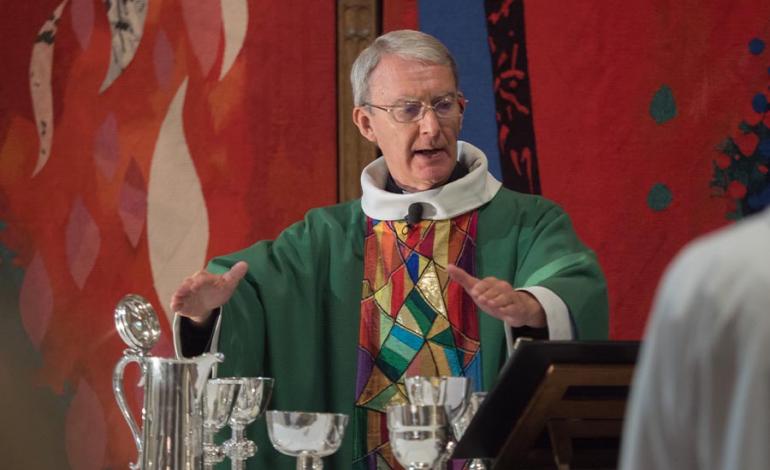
<point>414,321</point>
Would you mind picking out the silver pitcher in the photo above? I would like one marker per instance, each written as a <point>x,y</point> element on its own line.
<point>171,436</point>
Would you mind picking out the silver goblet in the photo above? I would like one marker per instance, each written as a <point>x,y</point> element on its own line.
<point>218,400</point>
<point>252,398</point>
<point>419,435</point>
<point>449,392</point>
<point>306,436</point>
<point>460,424</point>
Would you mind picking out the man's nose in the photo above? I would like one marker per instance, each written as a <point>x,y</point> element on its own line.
<point>429,123</point>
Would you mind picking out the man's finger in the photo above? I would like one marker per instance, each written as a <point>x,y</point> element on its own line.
<point>497,299</point>
<point>235,273</point>
<point>484,289</point>
<point>184,290</point>
<point>461,277</point>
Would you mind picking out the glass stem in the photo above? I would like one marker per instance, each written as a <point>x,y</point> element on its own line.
<point>237,438</point>
<point>237,433</point>
<point>208,449</point>
<point>305,461</point>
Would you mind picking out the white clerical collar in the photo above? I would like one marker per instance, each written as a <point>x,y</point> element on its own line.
<point>447,201</point>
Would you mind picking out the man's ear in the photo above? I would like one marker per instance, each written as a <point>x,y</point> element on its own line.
<point>362,120</point>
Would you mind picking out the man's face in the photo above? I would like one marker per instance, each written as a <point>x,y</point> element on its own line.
<point>420,155</point>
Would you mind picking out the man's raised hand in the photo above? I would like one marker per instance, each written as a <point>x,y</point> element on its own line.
<point>499,299</point>
<point>202,292</point>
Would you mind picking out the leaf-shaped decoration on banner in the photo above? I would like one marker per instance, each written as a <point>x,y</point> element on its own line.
<point>85,417</point>
<point>40,67</point>
<point>126,19</point>
<point>132,206</point>
<point>106,147</point>
<point>163,60</point>
<point>82,242</point>
<point>36,300</point>
<point>203,21</point>
<point>235,21</point>
<point>82,12</point>
<point>177,219</point>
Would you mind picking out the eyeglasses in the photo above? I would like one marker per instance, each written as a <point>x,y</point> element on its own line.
<point>447,107</point>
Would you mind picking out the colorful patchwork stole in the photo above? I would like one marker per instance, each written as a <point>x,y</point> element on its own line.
<point>414,321</point>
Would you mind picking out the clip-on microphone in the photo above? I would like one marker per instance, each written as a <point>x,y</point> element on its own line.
<point>413,215</point>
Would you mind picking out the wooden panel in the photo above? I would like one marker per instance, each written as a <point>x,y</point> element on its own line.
<point>358,24</point>
<point>549,403</point>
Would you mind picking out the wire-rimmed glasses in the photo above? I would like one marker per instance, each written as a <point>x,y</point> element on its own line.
<point>446,107</point>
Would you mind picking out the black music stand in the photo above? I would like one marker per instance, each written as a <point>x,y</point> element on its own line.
<point>557,404</point>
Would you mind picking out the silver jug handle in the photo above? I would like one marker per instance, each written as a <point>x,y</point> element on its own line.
<point>117,388</point>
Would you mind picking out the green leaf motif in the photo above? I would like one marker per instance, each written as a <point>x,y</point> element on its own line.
<point>659,197</point>
<point>663,105</point>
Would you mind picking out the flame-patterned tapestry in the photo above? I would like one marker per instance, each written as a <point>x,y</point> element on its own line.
<point>137,140</point>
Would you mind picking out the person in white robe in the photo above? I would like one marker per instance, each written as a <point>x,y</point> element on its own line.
<point>700,398</point>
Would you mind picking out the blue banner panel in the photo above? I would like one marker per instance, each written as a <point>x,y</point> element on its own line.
<point>461,25</point>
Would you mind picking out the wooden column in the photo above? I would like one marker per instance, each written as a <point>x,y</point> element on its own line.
<point>358,23</point>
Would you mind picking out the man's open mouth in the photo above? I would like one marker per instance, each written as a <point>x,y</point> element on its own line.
<point>429,152</point>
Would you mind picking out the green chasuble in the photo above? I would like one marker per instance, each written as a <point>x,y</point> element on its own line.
<point>295,316</point>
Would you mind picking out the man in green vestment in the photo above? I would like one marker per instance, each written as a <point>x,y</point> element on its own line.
<point>292,308</point>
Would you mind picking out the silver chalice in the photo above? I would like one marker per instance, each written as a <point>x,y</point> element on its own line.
<point>307,436</point>
<point>218,398</point>
<point>460,424</point>
<point>450,392</point>
<point>251,401</point>
<point>419,435</point>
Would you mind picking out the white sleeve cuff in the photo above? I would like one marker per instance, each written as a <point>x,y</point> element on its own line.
<point>556,313</point>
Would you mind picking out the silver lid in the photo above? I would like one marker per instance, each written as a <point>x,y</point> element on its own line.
<point>137,323</point>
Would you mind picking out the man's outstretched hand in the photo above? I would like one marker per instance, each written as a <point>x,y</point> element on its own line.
<point>202,292</point>
<point>499,299</point>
